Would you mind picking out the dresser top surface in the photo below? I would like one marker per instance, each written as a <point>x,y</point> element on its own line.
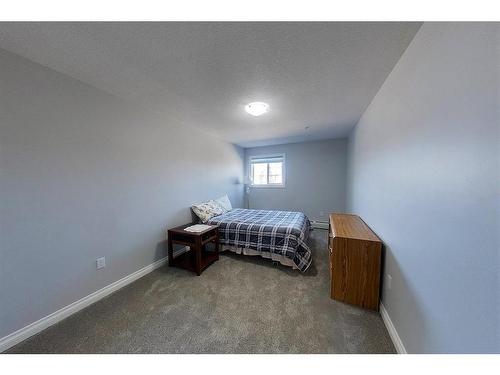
<point>351,226</point>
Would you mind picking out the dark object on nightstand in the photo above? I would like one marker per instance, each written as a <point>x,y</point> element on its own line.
<point>198,258</point>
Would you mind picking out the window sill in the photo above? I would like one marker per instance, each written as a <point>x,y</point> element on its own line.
<point>267,186</point>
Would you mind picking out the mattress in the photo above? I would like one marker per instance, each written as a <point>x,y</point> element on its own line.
<point>272,234</point>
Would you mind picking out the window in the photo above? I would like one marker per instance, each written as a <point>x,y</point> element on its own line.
<point>267,171</point>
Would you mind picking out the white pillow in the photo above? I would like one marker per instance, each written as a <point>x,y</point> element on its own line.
<point>224,202</point>
<point>207,210</point>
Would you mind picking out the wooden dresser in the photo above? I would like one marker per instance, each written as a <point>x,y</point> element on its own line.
<point>355,259</point>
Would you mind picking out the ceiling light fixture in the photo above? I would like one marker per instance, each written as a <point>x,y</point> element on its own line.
<point>257,108</point>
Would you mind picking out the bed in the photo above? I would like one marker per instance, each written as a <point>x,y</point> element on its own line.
<point>277,235</point>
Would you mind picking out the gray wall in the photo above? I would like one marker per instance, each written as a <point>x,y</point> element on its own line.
<point>423,173</point>
<point>84,174</point>
<point>315,178</point>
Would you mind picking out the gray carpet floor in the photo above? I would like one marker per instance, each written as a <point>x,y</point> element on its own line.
<point>240,304</point>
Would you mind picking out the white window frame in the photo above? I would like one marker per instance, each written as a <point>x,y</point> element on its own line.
<point>267,186</point>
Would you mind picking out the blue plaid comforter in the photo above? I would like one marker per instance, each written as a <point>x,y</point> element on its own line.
<point>279,232</point>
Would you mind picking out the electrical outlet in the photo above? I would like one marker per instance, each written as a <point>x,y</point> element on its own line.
<point>100,262</point>
<point>389,281</point>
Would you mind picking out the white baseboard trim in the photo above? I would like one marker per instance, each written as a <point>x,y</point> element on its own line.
<point>396,340</point>
<point>319,224</point>
<point>38,326</point>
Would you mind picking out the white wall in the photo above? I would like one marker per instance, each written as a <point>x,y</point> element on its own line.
<point>315,178</point>
<point>424,174</point>
<point>83,175</point>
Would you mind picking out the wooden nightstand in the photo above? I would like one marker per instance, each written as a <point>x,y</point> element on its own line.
<point>197,259</point>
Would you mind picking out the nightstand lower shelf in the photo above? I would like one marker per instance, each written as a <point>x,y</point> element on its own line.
<point>187,260</point>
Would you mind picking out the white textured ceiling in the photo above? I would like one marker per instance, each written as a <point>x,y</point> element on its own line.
<point>316,75</point>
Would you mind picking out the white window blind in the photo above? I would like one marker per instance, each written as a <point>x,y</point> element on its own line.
<point>267,170</point>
